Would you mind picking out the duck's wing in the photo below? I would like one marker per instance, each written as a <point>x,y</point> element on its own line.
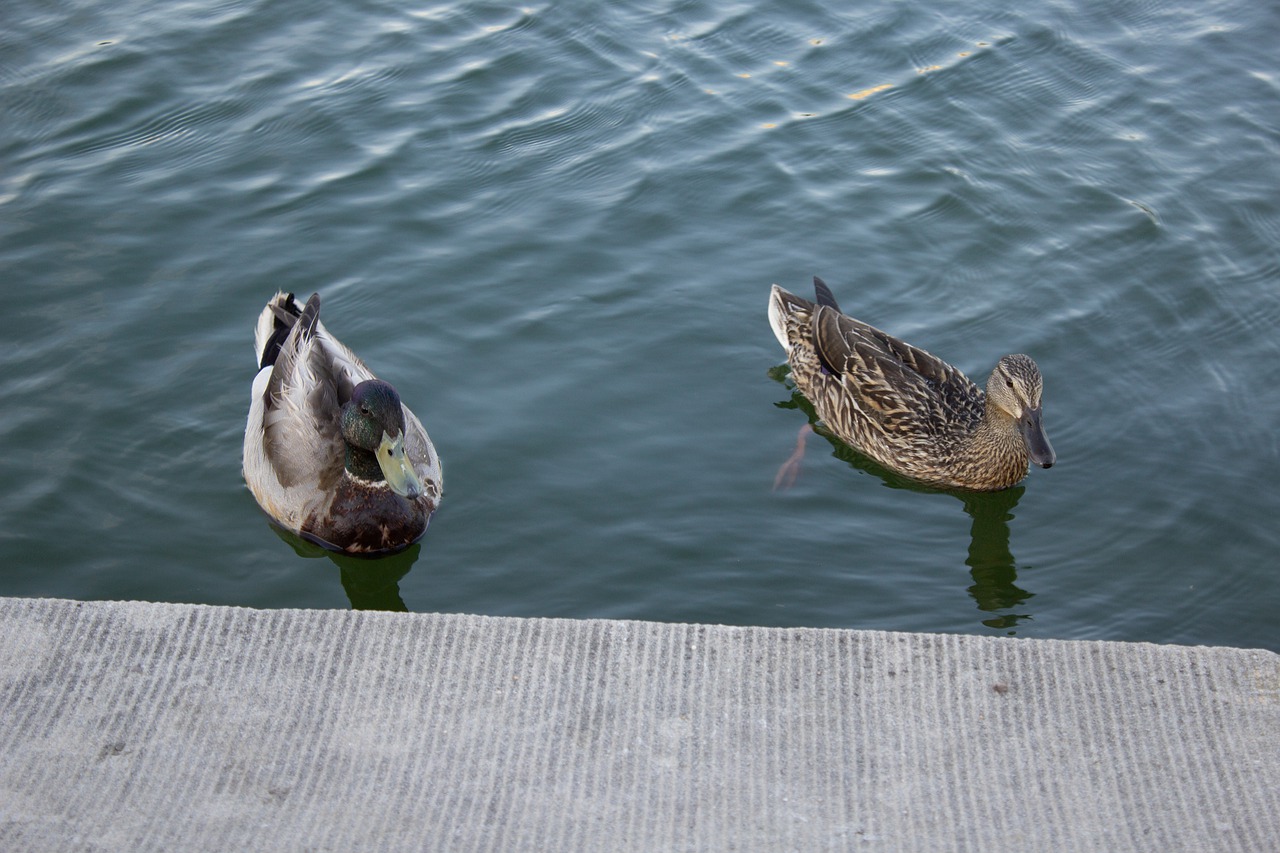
<point>418,447</point>
<point>904,387</point>
<point>312,376</point>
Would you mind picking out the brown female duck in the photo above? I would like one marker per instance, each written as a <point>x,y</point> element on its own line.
<point>906,409</point>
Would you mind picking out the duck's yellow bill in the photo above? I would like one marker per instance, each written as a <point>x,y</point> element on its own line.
<point>397,468</point>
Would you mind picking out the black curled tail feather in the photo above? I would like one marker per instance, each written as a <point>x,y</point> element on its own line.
<point>286,312</point>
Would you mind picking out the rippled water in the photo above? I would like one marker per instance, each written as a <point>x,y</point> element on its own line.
<point>553,227</point>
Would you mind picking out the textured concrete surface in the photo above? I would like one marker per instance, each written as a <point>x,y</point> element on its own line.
<point>131,727</point>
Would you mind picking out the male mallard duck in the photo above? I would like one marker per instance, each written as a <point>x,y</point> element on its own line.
<point>906,409</point>
<point>330,452</point>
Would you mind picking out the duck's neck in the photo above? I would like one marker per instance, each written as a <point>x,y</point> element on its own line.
<point>363,464</point>
<point>997,448</point>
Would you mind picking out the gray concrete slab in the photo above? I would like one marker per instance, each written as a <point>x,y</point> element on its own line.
<point>130,727</point>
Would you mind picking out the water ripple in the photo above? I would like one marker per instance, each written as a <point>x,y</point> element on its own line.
<point>554,225</point>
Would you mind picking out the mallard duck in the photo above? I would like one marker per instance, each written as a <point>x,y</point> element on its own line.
<point>330,452</point>
<point>906,409</point>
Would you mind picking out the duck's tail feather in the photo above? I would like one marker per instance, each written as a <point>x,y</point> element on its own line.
<point>274,324</point>
<point>778,301</point>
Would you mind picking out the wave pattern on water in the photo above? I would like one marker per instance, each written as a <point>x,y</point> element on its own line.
<point>553,227</point>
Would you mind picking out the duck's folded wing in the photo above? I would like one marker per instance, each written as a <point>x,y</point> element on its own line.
<point>901,383</point>
<point>418,447</point>
<point>302,430</point>
<point>343,366</point>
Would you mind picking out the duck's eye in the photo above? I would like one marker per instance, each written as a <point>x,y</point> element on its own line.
<point>364,410</point>
<point>1009,382</point>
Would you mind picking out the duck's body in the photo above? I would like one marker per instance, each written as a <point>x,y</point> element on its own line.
<point>330,452</point>
<point>906,409</point>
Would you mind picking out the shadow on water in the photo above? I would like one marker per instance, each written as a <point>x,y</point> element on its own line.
<point>371,583</point>
<point>991,563</point>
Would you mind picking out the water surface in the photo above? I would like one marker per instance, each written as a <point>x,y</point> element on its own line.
<point>554,226</point>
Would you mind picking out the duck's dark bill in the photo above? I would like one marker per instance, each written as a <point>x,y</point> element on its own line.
<point>1038,446</point>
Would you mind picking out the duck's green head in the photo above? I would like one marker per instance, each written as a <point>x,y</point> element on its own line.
<point>1015,387</point>
<point>373,422</point>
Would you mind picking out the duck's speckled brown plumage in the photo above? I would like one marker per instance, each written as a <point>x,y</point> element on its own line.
<point>909,410</point>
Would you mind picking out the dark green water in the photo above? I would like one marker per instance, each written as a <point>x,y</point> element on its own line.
<point>553,227</point>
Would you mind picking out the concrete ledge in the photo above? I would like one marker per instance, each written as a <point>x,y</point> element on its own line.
<point>162,727</point>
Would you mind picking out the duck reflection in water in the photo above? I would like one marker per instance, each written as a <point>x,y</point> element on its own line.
<point>371,583</point>
<point>991,563</point>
